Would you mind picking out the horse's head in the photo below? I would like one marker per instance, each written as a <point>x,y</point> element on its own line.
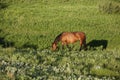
<point>54,46</point>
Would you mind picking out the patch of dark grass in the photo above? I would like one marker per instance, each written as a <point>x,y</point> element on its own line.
<point>3,42</point>
<point>110,7</point>
<point>3,5</point>
<point>29,45</point>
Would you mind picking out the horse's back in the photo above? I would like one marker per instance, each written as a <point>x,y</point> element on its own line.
<point>81,35</point>
<point>68,37</point>
<point>71,37</point>
<point>73,34</point>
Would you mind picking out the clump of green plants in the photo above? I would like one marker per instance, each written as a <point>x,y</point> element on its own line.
<point>110,7</point>
<point>62,64</point>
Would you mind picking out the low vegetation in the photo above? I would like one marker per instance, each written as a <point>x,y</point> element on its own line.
<point>30,64</point>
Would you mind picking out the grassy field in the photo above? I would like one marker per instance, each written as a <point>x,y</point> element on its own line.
<point>27,29</point>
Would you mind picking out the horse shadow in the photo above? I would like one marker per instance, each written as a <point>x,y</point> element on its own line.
<point>94,44</point>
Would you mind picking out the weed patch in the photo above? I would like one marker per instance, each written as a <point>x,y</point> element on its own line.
<point>110,7</point>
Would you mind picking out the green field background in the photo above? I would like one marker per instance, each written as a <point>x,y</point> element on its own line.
<point>28,28</point>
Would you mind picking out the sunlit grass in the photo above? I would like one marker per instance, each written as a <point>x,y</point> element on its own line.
<point>28,28</point>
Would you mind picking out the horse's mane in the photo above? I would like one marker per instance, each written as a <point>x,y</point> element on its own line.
<point>57,39</point>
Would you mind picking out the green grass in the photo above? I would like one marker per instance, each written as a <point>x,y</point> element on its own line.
<point>35,22</point>
<point>30,64</point>
<point>27,29</point>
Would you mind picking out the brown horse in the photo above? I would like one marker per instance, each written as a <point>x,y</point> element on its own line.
<point>70,37</point>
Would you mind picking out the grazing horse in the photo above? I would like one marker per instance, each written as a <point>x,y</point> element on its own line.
<point>70,37</point>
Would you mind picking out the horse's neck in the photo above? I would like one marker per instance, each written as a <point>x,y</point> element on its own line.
<point>56,40</point>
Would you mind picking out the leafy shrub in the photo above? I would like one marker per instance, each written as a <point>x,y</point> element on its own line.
<point>110,7</point>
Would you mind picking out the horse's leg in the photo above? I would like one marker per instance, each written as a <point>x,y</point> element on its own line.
<point>80,46</point>
<point>69,47</point>
<point>85,46</point>
<point>63,45</point>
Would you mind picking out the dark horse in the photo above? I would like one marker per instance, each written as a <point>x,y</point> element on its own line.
<point>70,37</point>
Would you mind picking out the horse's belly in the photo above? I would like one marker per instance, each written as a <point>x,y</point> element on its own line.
<point>69,39</point>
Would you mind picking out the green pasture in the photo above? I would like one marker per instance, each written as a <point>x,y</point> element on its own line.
<point>28,28</point>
